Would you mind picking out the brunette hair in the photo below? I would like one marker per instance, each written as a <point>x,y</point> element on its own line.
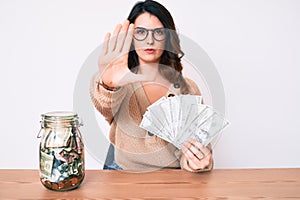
<point>170,62</point>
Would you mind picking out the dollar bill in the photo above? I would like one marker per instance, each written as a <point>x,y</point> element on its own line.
<point>179,118</point>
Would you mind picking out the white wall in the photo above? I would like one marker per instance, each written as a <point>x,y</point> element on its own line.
<point>254,44</point>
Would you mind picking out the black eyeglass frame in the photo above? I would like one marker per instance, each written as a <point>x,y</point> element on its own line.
<point>152,31</point>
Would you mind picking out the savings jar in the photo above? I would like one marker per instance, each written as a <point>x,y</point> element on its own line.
<point>61,151</point>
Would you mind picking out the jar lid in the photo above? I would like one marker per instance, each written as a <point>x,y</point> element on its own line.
<point>60,119</point>
<point>60,114</point>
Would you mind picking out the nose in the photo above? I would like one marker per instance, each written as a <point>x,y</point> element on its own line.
<point>150,39</point>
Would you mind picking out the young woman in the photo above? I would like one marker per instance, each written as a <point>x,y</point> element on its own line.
<point>138,64</point>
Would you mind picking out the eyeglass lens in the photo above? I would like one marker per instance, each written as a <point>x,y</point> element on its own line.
<point>141,34</point>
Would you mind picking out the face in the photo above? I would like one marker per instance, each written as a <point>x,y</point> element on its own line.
<point>150,49</point>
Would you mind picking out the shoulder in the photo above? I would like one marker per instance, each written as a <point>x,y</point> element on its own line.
<point>193,87</point>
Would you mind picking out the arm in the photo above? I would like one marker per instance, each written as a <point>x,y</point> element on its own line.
<point>195,157</point>
<point>107,102</point>
<point>108,86</point>
<point>194,90</point>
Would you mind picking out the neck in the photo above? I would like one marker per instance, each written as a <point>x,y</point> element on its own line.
<point>151,70</point>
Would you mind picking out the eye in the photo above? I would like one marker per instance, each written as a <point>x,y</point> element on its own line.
<point>140,31</point>
<point>159,31</point>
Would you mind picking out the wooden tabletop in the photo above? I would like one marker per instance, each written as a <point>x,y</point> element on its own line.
<point>163,184</point>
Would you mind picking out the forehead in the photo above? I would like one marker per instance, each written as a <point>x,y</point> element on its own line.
<point>146,20</point>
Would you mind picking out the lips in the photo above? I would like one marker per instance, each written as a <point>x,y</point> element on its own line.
<point>149,51</point>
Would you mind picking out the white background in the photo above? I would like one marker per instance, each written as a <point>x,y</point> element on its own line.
<point>254,44</point>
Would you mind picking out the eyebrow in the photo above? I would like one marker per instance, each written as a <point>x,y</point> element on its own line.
<point>149,28</point>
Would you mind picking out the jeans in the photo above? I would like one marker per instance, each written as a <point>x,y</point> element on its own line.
<point>112,166</point>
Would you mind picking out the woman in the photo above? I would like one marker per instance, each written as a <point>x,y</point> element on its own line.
<point>139,64</point>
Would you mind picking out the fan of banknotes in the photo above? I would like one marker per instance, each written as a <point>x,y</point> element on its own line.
<point>180,118</point>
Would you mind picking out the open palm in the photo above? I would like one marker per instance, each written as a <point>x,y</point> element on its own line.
<point>113,58</point>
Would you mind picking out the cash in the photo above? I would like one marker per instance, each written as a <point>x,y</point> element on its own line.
<point>180,118</point>
<point>61,159</point>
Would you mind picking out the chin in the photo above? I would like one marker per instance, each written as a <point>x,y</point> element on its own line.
<point>149,60</point>
<point>154,58</point>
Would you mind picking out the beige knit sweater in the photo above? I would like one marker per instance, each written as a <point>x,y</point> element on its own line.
<point>123,109</point>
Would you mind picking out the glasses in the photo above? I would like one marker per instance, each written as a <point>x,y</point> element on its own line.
<point>140,34</point>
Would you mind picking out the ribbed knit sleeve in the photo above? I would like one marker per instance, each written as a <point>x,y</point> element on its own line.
<point>193,87</point>
<point>105,101</point>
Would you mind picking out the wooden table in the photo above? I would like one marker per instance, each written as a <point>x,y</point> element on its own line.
<point>163,184</point>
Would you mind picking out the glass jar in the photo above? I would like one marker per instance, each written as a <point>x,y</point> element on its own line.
<point>61,151</point>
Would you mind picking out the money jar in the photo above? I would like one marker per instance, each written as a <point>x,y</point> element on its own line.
<point>61,151</point>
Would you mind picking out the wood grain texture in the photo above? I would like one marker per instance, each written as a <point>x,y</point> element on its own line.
<point>163,184</point>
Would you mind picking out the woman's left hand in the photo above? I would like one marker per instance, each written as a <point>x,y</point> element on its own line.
<point>196,156</point>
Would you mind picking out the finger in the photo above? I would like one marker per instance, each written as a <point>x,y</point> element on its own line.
<point>192,165</point>
<point>113,41</point>
<point>192,153</point>
<point>128,39</point>
<point>196,151</point>
<point>186,164</point>
<point>192,150</point>
<point>205,151</point>
<point>105,44</point>
<point>185,148</point>
<point>122,36</point>
<point>197,164</point>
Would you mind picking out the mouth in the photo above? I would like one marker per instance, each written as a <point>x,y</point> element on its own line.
<point>149,50</point>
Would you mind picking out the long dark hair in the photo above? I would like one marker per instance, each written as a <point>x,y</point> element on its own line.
<point>170,63</point>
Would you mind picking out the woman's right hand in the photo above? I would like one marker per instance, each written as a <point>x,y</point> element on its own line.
<point>113,58</point>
